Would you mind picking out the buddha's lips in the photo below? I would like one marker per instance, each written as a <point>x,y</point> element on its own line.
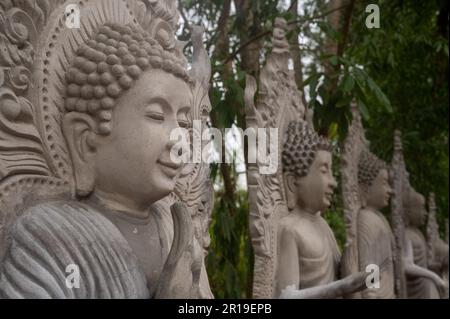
<point>170,165</point>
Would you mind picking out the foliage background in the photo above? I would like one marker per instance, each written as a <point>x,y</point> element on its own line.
<point>398,74</point>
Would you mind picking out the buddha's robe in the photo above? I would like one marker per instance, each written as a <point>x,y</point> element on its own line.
<point>308,252</point>
<point>419,288</point>
<point>441,252</point>
<point>375,244</point>
<point>50,236</point>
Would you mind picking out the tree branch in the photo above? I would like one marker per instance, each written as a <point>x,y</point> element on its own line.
<point>268,32</point>
<point>296,55</point>
<point>222,46</point>
<point>346,27</point>
<point>183,15</point>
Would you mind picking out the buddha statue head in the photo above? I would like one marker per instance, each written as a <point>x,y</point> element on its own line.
<point>125,92</point>
<point>307,168</point>
<point>414,206</point>
<point>373,181</point>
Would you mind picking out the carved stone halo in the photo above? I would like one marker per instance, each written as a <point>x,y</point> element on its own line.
<point>58,51</point>
<point>277,104</point>
<point>36,50</point>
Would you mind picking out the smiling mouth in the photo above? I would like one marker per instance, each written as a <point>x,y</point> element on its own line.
<point>170,168</point>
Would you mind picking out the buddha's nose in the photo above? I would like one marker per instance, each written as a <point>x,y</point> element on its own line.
<point>176,147</point>
<point>333,183</point>
<point>390,191</point>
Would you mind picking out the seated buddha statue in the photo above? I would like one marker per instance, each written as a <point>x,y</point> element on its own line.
<point>419,287</point>
<point>374,235</point>
<point>124,91</point>
<point>308,254</point>
<point>375,239</point>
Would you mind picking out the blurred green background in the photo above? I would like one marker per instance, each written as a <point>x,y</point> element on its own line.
<point>398,74</point>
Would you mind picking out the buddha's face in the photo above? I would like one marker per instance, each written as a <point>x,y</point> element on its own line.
<point>417,211</point>
<point>379,192</point>
<point>132,165</point>
<point>134,161</point>
<point>314,191</point>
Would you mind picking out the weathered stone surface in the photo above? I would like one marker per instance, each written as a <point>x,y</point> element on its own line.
<point>86,176</point>
<point>279,101</point>
<point>415,214</point>
<point>413,278</point>
<point>296,254</point>
<point>365,191</point>
<point>437,248</point>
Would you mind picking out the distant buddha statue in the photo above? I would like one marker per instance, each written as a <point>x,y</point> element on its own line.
<point>423,287</point>
<point>374,234</point>
<point>296,253</point>
<point>110,94</point>
<point>309,257</point>
<point>437,248</point>
<point>368,184</point>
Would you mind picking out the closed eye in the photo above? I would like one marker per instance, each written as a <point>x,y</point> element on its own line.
<point>158,117</point>
<point>183,124</point>
<point>184,117</point>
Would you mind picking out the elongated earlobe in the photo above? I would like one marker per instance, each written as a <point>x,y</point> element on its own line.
<point>78,129</point>
<point>363,193</point>
<point>291,190</point>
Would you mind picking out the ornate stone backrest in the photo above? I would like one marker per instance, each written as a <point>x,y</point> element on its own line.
<point>278,102</point>
<point>36,50</point>
<point>436,246</point>
<point>400,186</point>
<point>446,230</point>
<point>353,145</point>
<point>432,228</point>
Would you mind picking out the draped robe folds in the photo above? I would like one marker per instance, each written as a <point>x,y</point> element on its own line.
<point>52,235</point>
<point>316,252</point>
<point>375,243</point>
<point>49,237</point>
<point>420,288</point>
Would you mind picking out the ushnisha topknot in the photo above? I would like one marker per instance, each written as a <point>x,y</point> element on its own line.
<point>109,64</point>
<point>300,146</point>
<point>368,168</point>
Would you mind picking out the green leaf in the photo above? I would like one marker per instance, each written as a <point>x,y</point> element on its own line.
<point>364,111</point>
<point>360,76</point>
<point>380,96</point>
<point>391,59</point>
<point>361,92</point>
<point>348,83</point>
<point>333,131</point>
<point>334,60</point>
<point>345,61</point>
<point>313,80</point>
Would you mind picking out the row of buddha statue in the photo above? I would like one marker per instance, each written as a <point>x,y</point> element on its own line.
<point>93,206</point>
<point>296,252</point>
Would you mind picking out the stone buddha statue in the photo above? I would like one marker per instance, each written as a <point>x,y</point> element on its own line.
<point>308,254</point>
<point>426,286</point>
<point>86,174</point>
<point>368,184</point>
<point>437,248</point>
<point>296,254</point>
<point>374,235</point>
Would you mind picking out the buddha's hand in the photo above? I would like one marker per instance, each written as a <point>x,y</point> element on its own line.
<point>435,266</point>
<point>181,272</point>
<point>442,286</point>
<point>354,283</point>
<point>336,289</point>
<point>288,292</point>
